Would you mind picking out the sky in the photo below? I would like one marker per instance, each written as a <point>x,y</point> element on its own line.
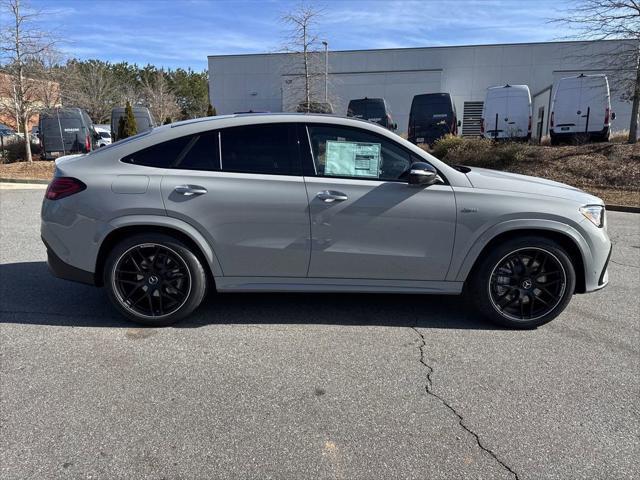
<point>182,33</point>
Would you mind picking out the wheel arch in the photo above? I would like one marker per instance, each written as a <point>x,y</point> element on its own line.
<point>186,234</point>
<point>570,241</point>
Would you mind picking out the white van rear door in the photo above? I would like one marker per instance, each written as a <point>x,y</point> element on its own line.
<point>593,102</point>
<point>566,106</point>
<point>518,111</point>
<point>495,112</point>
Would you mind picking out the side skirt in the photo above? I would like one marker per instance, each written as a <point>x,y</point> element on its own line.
<point>335,285</point>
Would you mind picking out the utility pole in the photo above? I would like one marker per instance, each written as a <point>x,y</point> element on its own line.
<point>326,71</point>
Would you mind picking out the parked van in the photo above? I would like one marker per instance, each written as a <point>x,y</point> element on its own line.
<point>506,113</point>
<point>373,109</point>
<point>432,116</point>
<point>581,108</point>
<point>64,131</point>
<point>144,119</point>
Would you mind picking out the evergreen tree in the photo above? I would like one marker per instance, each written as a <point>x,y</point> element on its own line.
<point>129,126</point>
<point>211,111</point>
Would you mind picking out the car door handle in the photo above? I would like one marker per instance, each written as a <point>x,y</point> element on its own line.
<point>329,196</point>
<point>190,190</point>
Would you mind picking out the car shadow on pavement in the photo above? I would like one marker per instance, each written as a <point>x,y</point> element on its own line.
<point>29,294</point>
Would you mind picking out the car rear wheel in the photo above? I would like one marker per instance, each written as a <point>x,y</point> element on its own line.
<point>154,279</point>
<point>523,283</point>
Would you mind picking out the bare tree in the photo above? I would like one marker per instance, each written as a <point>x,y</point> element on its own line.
<point>303,42</point>
<point>21,45</point>
<point>91,86</point>
<point>158,96</point>
<point>47,70</point>
<point>607,20</point>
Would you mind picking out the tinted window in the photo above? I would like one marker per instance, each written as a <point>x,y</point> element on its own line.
<point>192,152</point>
<point>432,108</point>
<point>270,149</point>
<point>350,152</point>
<point>367,109</point>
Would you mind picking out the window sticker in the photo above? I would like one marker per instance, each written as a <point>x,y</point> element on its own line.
<point>352,159</point>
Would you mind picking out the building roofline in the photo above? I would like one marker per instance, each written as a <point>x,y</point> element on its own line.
<point>369,50</point>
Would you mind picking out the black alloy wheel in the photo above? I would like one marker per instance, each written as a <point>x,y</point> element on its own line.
<point>527,284</point>
<point>151,280</point>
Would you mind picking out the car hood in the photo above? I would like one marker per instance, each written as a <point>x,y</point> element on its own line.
<point>513,182</point>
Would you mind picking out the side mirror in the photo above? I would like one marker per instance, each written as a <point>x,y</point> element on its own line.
<point>422,174</point>
<point>613,115</point>
<point>394,126</point>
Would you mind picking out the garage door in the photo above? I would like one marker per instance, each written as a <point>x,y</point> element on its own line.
<point>397,88</point>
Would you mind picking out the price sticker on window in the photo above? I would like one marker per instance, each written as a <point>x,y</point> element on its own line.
<point>352,159</point>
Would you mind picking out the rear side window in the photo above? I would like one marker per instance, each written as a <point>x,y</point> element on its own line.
<point>267,149</point>
<point>192,152</point>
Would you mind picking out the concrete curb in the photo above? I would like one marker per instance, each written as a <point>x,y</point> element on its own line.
<point>622,208</point>
<point>23,180</point>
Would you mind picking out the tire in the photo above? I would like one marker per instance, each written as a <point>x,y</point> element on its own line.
<point>154,279</point>
<point>505,290</point>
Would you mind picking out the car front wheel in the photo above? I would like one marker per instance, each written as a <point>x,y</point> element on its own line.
<point>523,283</point>
<point>154,279</point>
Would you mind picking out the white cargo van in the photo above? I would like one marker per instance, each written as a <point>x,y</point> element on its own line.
<point>506,113</point>
<point>581,108</point>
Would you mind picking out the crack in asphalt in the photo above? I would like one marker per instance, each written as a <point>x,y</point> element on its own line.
<point>429,390</point>
<point>624,264</point>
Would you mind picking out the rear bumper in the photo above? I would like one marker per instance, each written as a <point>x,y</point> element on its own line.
<point>63,270</point>
<point>602,134</point>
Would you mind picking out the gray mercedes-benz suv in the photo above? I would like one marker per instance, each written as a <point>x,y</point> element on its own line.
<point>313,203</point>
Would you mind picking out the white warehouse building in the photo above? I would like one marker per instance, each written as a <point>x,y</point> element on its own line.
<point>265,82</point>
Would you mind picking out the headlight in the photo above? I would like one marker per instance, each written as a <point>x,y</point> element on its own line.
<point>595,213</point>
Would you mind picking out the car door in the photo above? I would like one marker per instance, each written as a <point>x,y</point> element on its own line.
<point>242,188</point>
<point>366,221</point>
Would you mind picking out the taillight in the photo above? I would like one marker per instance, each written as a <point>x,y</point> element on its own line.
<point>529,127</point>
<point>606,116</point>
<point>87,144</point>
<point>482,125</point>
<point>551,120</point>
<point>61,187</point>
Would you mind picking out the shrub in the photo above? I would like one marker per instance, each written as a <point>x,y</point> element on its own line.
<point>442,146</point>
<point>480,152</point>
<point>14,152</point>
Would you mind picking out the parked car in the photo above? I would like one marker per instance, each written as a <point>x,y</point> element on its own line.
<point>432,116</point>
<point>581,109</point>
<point>286,202</point>
<point>104,134</point>
<point>315,107</point>
<point>144,119</point>
<point>66,131</point>
<point>7,132</point>
<point>35,135</point>
<point>372,109</point>
<point>506,113</point>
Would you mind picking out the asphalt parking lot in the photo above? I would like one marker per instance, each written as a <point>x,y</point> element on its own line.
<point>311,386</point>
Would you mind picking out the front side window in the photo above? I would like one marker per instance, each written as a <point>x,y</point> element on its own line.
<point>191,152</point>
<point>267,149</point>
<point>354,153</point>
